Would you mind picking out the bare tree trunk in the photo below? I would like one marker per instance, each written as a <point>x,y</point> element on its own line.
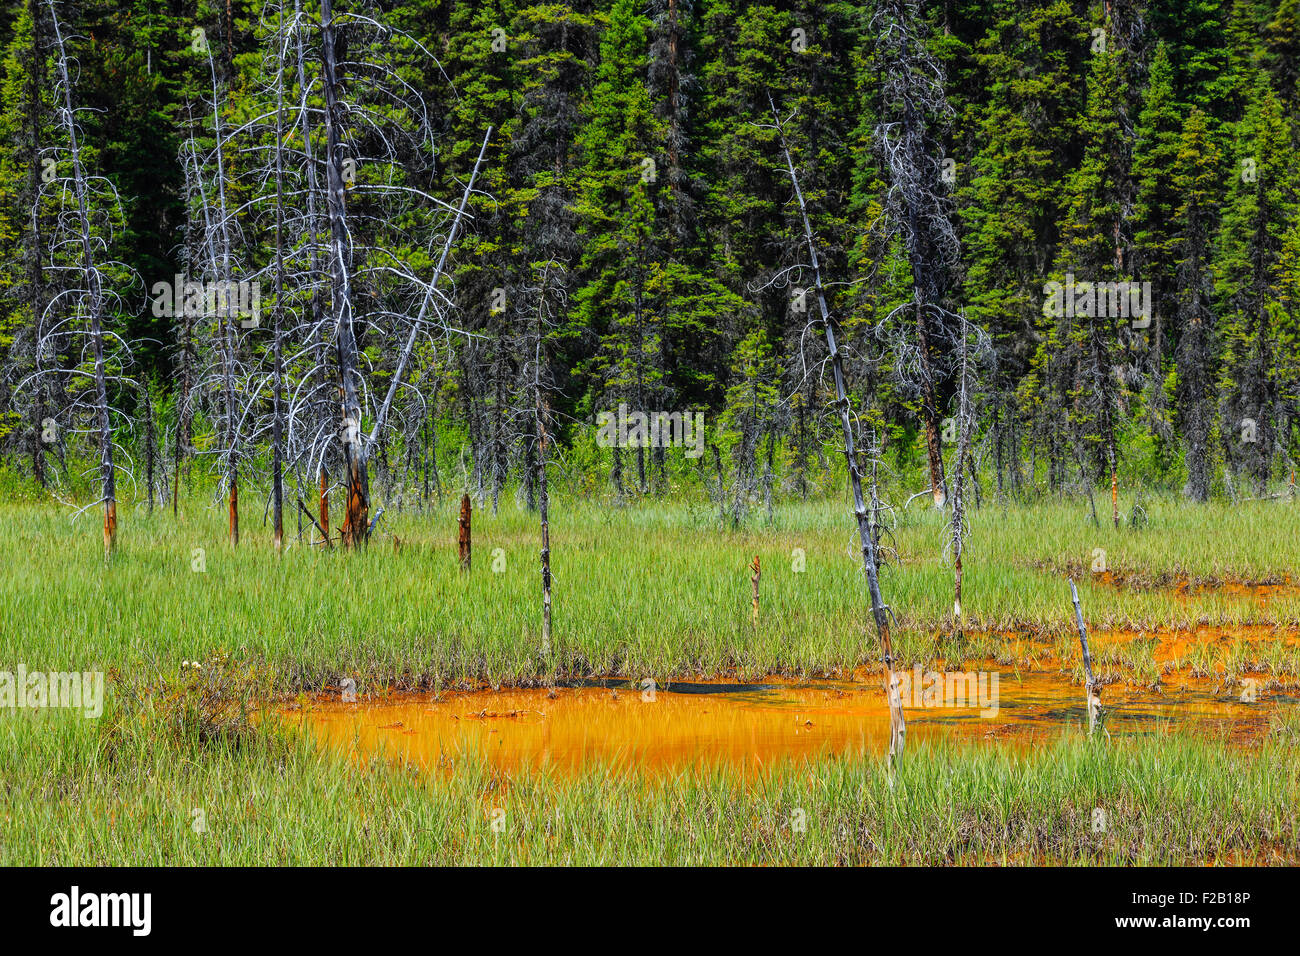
<point>930,413</point>
<point>182,440</point>
<point>150,445</point>
<point>897,722</point>
<point>277,410</point>
<point>428,297</point>
<point>324,506</point>
<point>1092,691</point>
<point>464,540</point>
<point>1114,479</point>
<point>277,425</point>
<point>226,314</point>
<point>317,307</point>
<point>95,297</point>
<point>958,502</point>
<point>234,510</point>
<point>357,484</point>
<point>543,493</point>
<point>36,79</point>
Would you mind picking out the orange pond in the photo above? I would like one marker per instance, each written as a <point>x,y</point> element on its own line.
<point>746,726</point>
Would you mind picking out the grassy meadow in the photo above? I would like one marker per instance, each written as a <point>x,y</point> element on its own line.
<point>644,590</point>
<point>655,590</point>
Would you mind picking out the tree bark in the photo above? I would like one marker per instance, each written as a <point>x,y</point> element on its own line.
<point>464,542</point>
<point>357,484</point>
<point>277,409</point>
<point>958,502</point>
<point>324,506</point>
<point>1092,691</point>
<point>880,614</point>
<point>95,295</point>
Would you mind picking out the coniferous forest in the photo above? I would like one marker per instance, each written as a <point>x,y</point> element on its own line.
<point>278,241</point>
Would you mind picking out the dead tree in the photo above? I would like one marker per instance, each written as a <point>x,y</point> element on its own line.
<point>383,125</point>
<point>34,130</point>
<point>83,297</point>
<point>429,298</point>
<point>880,611</point>
<point>319,402</point>
<point>544,518</point>
<point>357,480</point>
<point>958,502</point>
<point>551,300</point>
<point>277,319</point>
<point>1091,689</point>
<point>225,316</point>
<point>913,114</point>
<point>213,294</point>
<point>968,357</point>
<point>183,439</point>
<point>464,543</point>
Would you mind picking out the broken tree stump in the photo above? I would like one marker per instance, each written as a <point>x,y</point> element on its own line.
<point>758,573</point>
<point>324,507</point>
<point>464,540</point>
<point>1091,689</point>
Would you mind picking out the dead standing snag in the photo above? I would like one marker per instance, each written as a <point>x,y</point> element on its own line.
<point>356,479</point>
<point>879,610</point>
<point>464,540</point>
<point>1091,689</point>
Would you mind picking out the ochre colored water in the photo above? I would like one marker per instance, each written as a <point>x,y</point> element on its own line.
<point>1175,642</point>
<point>1187,590</point>
<point>569,728</point>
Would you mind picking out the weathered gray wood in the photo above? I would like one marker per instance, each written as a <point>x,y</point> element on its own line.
<point>1092,692</point>
<point>879,610</point>
<point>277,409</point>
<point>94,290</point>
<point>958,498</point>
<point>357,483</point>
<point>428,298</point>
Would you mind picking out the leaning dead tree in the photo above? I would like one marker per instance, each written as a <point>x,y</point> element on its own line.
<point>430,300</point>
<point>1091,689</point>
<point>879,610</point>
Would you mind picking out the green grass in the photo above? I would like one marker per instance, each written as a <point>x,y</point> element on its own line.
<point>652,590</point>
<point>75,794</point>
